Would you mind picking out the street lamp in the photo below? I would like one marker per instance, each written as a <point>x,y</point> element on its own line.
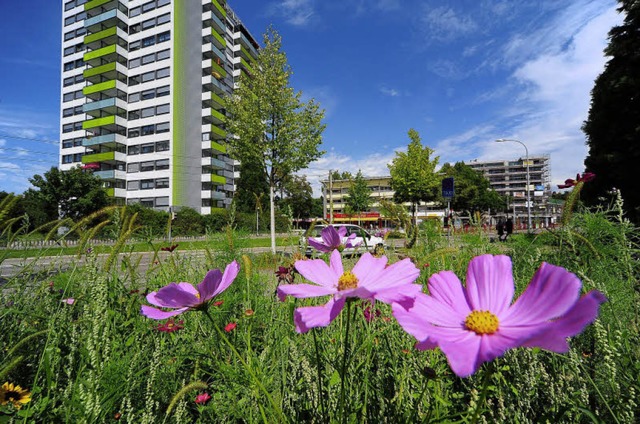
<point>502,140</point>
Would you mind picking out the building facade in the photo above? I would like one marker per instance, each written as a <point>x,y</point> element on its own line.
<point>509,178</point>
<point>143,88</point>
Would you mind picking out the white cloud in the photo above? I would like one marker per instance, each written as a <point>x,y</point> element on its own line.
<point>325,96</point>
<point>391,92</point>
<point>554,84</point>
<point>295,12</point>
<point>445,24</point>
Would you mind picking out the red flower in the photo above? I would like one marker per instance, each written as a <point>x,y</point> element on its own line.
<point>203,398</point>
<point>170,326</point>
<point>230,327</point>
<point>425,265</point>
<point>585,178</point>
<point>169,249</point>
<point>368,315</point>
<point>218,303</point>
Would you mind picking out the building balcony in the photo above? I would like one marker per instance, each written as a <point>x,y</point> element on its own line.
<point>97,7</point>
<point>107,140</point>
<point>110,123</point>
<point>106,157</point>
<point>244,41</point>
<point>215,147</point>
<point>245,65</point>
<point>108,71</point>
<point>218,133</point>
<point>210,99</point>
<point>214,85</point>
<point>218,9</point>
<point>112,53</point>
<point>111,88</point>
<point>211,20</point>
<point>116,192</point>
<point>113,35</point>
<point>112,174</point>
<point>218,179</point>
<point>211,115</point>
<point>111,106</point>
<point>105,20</point>
<point>214,163</point>
<point>210,50</point>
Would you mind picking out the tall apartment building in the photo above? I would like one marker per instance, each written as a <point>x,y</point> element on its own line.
<point>143,87</point>
<point>509,178</point>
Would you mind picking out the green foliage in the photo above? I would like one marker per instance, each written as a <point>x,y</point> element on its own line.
<point>344,175</point>
<point>274,128</point>
<point>413,176</point>
<point>359,194</point>
<point>188,222</point>
<point>298,197</point>
<point>472,190</point>
<point>253,187</point>
<point>74,193</point>
<point>216,220</point>
<point>612,124</point>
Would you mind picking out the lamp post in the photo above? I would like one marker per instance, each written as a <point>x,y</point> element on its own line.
<point>502,140</point>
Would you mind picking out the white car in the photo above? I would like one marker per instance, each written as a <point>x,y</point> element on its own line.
<point>356,237</point>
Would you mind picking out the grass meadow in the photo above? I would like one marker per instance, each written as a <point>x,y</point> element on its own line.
<point>80,350</point>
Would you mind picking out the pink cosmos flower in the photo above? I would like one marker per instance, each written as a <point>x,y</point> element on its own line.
<point>69,301</point>
<point>585,178</point>
<point>183,296</point>
<point>478,323</point>
<point>202,398</point>
<point>370,279</point>
<point>230,327</point>
<point>332,240</point>
<point>170,326</point>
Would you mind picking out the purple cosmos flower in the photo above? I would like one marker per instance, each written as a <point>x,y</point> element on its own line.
<point>585,178</point>
<point>332,240</point>
<point>183,296</point>
<point>370,279</point>
<point>477,323</point>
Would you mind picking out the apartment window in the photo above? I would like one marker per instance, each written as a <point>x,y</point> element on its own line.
<point>79,63</point>
<point>67,128</point>
<point>149,23</point>
<point>134,80</point>
<point>67,97</point>
<point>165,36</point>
<point>134,29</point>
<point>69,20</point>
<point>163,2</point>
<point>162,109</point>
<point>68,81</point>
<point>69,50</point>
<point>149,41</point>
<point>69,5</point>
<point>69,35</point>
<point>147,112</point>
<point>162,146</point>
<point>163,19</point>
<point>134,45</point>
<point>133,150</point>
<point>147,184</point>
<point>150,58</point>
<point>77,157</point>
<point>134,63</point>
<point>134,97</point>
<point>148,94</point>
<point>77,126</point>
<point>148,6</point>
<point>78,95</point>
<point>67,112</point>
<point>133,115</point>
<point>133,167</point>
<point>162,201</point>
<point>162,128</point>
<point>148,202</point>
<point>162,73</point>
<point>162,164</point>
<point>67,158</point>
<point>162,55</point>
<point>133,185</point>
<point>134,132</point>
<point>147,148</point>
<point>147,76</point>
<point>69,66</point>
<point>162,183</point>
<point>147,166</point>
<point>147,130</point>
<point>66,144</point>
<point>162,91</point>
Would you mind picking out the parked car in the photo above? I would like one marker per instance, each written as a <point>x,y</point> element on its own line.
<point>363,240</point>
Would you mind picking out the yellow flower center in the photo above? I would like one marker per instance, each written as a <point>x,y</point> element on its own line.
<point>348,280</point>
<point>482,322</point>
<point>198,295</point>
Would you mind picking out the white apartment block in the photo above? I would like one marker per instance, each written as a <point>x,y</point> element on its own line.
<point>143,88</point>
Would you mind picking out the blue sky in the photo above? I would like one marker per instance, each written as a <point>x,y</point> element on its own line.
<point>462,73</point>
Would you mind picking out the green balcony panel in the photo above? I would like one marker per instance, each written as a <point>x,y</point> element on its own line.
<point>90,89</point>
<point>218,179</point>
<point>99,122</point>
<point>219,8</point>
<point>99,53</point>
<point>95,3</point>
<point>99,70</point>
<point>217,99</point>
<point>218,131</point>
<point>100,35</point>
<point>218,147</point>
<point>222,41</point>
<point>99,157</point>
<point>219,69</point>
<point>247,66</point>
<point>111,192</point>
<point>217,115</point>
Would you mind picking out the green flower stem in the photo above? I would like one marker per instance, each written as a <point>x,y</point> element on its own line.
<point>483,394</point>
<point>255,378</point>
<point>343,375</point>
<point>321,399</point>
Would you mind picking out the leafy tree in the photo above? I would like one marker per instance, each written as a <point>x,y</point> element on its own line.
<point>612,127</point>
<point>344,175</point>
<point>299,196</point>
<point>188,222</point>
<point>358,197</point>
<point>413,176</point>
<point>73,193</point>
<point>251,187</point>
<point>472,190</point>
<point>316,207</point>
<point>274,129</point>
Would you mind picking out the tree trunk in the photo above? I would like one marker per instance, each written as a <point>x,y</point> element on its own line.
<point>272,209</point>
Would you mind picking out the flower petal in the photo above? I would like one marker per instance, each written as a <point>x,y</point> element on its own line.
<point>555,333</point>
<point>331,237</point>
<point>303,291</point>
<point>154,313</point>
<point>404,295</point>
<point>342,231</point>
<point>335,262</point>
<point>369,269</point>
<point>309,317</point>
<point>414,321</point>
<point>230,274</point>
<point>174,296</point>
<point>490,283</point>
<point>209,284</point>
<point>462,353</point>
<point>446,288</point>
<point>317,271</point>
<point>551,293</point>
<point>395,275</point>
<point>318,246</point>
